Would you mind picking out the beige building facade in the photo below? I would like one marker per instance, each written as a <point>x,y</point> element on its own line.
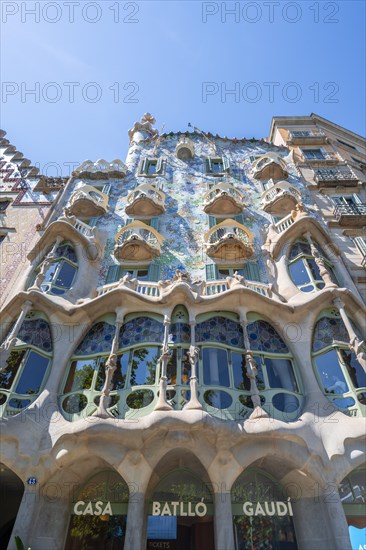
<point>183,363</point>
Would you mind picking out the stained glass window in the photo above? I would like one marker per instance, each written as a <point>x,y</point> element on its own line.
<point>263,337</point>
<point>220,330</point>
<point>141,329</point>
<point>98,339</point>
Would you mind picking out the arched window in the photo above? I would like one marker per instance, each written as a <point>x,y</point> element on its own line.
<point>222,369</point>
<point>304,270</point>
<point>262,514</point>
<point>61,274</point>
<point>179,367</point>
<point>340,375</point>
<point>135,380</point>
<point>23,377</point>
<point>99,513</point>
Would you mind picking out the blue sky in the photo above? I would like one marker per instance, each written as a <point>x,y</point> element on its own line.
<point>177,60</point>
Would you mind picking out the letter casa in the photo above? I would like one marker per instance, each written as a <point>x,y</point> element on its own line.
<point>98,508</point>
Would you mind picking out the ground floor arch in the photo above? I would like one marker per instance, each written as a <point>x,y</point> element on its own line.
<point>11,494</point>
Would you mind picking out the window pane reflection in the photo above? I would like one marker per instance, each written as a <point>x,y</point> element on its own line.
<point>144,366</point>
<point>215,367</point>
<point>280,374</point>
<point>330,373</point>
<point>33,372</point>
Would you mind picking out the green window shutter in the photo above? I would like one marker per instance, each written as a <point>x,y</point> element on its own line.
<point>211,272</point>
<point>211,221</point>
<point>356,198</point>
<point>93,222</point>
<point>361,243</point>
<point>154,272</point>
<point>251,271</point>
<point>128,220</point>
<point>143,166</point>
<point>160,166</point>
<point>113,274</point>
<point>239,218</point>
<point>154,223</point>
<point>107,188</point>
<point>226,164</point>
<point>208,165</point>
<point>252,158</point>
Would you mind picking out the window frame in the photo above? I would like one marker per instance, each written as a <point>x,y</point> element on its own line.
<point>60,260</point>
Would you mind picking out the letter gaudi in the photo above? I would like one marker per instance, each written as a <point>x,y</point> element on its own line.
<point>268,509</point>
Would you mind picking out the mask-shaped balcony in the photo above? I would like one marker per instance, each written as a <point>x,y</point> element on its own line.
<point>137,242</point>
<point>229,241</point>
<point>223,199</point>
<point>269,166</point>
<point>87,202</point>
<point>145,200</point>
<point>185,148</point>
<point>282,197</point>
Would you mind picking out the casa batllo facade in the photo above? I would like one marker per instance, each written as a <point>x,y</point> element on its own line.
<point>183,358</point>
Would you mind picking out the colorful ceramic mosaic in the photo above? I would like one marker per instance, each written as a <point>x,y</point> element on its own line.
<point>263,337</point>
<point>37,333</point>
<point>221,330</point>
<point>139,330</point>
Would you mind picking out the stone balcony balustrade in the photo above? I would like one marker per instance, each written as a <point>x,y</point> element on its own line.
<point>223,199</point>
<point>137,242</point>
<point>145,200</point>
<point>329,177</point>
<point>298,137</point>
<point>281,197</point>
<point>269,166</point>
<point>185,148</point>
<point>351,214</point>
<point>229,241</point>
<point>87,202</point>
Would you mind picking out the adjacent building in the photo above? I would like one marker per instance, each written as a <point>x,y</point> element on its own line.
<point>183,363</point>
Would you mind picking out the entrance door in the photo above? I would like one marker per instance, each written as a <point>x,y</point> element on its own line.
<point>11,494</point>
<point>181,514</point>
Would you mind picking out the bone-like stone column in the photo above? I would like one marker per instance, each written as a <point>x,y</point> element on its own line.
<point>251,372</point>
<point>135,532</point>
<point>324,273</point>
<point>7,346</point>
<point>223,522</point>
<point>46,264</point>
<point>355,344</point>
<point>192,355</point>
<point>162,404</point>
<point>110,368</point>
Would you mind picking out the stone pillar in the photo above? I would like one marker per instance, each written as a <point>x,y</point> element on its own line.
<point>223,522</point>
<point>135,532</point>
<point>110,368</point>
<point>193,353</point>
<point>356,345</point>
<point>251,372</point>
<point>7,346</point>
<point>320,523</point>
<point>162,404</point>
<point>324,272</point>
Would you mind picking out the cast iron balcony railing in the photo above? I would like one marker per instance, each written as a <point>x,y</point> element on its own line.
<point>223,199</point>
<point>87,202</point>
<point>324,157</point>
<point>145,200</point>
<point>325,177</point>
<point>351,214</point>
<point>229,241</point>
<point>305,136</point>
<point>282,196</point>
<point>137,242</point>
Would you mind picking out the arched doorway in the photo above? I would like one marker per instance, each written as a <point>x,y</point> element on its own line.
<point>262,514</point>
<point>11,495</point>
<point>99,513</point>
<point>180,513</point>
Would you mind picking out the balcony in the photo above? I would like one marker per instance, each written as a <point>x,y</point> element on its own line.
<point>269,166</point>
<point>282,197</point>
<point>87,202</point>
<point>324,158</point>
<point>311,137</point>
<point>229,241</point>
<point>137,242</point>
<point>223,199</point>
<point>185,148</point>
<point>327,177</point>
<point>146,200</point>
<point>351,215</point>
